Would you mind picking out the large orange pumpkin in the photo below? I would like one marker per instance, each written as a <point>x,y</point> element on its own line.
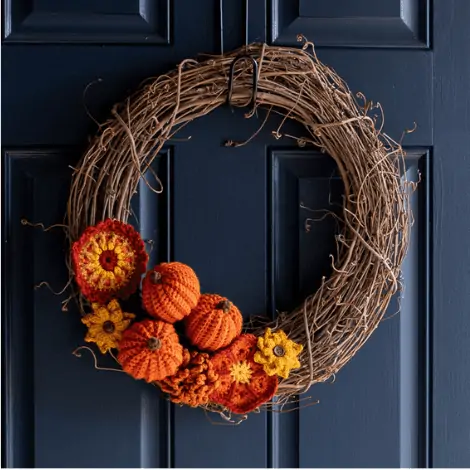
<point>214,323</point>
<point>170,291</point>
<point>150,350</point>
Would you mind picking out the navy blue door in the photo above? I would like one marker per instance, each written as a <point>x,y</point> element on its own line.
<point>234,214</point>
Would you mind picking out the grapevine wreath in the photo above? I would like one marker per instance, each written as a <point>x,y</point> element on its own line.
<point>192,345</point>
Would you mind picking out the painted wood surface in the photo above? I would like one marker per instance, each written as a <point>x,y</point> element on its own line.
<point>237,215</point>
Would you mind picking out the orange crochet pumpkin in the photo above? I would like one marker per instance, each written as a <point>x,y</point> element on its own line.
<point>214,323</point>
<point>170,291</point>
<point>150,350</point>
<point>194,381</point>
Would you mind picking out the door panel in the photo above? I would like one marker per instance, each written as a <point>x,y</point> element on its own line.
<point>384,389</point>
<point>52,420</point>
<point>241,218</point>
<point>52,21</point>
<point>339,23</point>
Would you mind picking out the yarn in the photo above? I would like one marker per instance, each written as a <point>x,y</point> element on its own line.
<point>244,385</point>
<point>109,260</point>
<point>194,381</point>
<point>170,291</point>
<point>106,325</point>
<point>277,353</point>
<point>150,350</point>
<point>214,323</point>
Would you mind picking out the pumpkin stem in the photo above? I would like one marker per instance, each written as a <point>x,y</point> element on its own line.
<point>225,305</point>
<point>155,277</point>
<point>154,344</point>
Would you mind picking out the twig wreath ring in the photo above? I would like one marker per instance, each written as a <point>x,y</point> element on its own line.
<point>218,366</point>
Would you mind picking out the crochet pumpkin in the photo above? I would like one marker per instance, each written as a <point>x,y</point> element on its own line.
<point>170,291</point>
<point>214,323</point>
<point>109,260</point>
<point>150,350</point>
<point>194,381</point>
<point>244,385</point>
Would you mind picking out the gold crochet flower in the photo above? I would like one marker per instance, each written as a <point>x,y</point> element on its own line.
<point>277,353</point>
<point>106,325</point>
<point>241,372</point>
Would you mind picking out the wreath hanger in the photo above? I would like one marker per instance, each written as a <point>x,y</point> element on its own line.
<point>254,92</point>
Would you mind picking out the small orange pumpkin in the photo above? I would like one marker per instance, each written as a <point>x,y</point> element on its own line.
<point>214,323</point>
<point>170,291</point>
<point>150,350</point>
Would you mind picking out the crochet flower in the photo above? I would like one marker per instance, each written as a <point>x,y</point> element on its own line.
<point>277,353</point>
<point>244,385</point>
<point>194,381</point>
<point>106,325</point>
<point>109,260</point>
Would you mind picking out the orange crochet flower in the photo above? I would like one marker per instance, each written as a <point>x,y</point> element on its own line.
<point>194,381</point>
<point>244,385</point>
<point>109,260</point>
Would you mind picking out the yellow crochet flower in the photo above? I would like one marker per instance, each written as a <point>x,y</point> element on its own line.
<point>106,324</point>
<point>241,372</point>
<point>277,353</point>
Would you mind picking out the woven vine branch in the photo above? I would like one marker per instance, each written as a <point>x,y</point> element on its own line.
<point>334,322</point>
